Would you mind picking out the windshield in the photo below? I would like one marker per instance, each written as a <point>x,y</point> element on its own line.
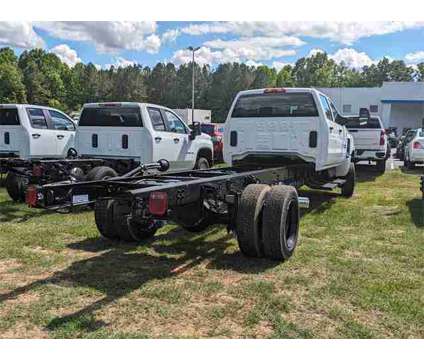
<point>9,117</point>
<point>112,117</point>
<point>355,123</point>
<point>275,105</point>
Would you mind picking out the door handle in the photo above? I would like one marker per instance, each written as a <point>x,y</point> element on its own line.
<point>176,140</point>
<point>340,131</point>
<point>158,138</point>
<point>36,136</point>
<point>331,128</point>
<point>60,136</point>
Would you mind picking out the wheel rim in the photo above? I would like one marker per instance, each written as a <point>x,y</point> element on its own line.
<point>203,166</point>
<point>291,225</point>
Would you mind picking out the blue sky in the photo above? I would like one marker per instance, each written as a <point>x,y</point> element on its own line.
<point>271,43</point>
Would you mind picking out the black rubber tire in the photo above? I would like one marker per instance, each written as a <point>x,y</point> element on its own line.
<point>280,223</point>
<point>127,229</point>
<point>348,188</point>
<point>202,164</point>
<point>249,219</point>
<point>15,187</point>
<point>100,173</point>
<point>103,216</point>
<point>381,166</point>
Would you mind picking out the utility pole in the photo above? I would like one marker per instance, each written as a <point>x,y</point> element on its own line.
<point>193,50</point>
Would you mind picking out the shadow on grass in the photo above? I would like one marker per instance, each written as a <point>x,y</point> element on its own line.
<point>11,211</point>
<point>121,268</point>
<point>418,170</point>
<point>366,173</point>
<point>416,209</point>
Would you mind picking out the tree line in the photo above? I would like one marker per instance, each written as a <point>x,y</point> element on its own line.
<point>40,77</point>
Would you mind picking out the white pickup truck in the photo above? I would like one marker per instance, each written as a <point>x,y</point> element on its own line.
<point>371,143</point>
<point>34,132</point>
<point>293,125</point>
<point>142,132</point>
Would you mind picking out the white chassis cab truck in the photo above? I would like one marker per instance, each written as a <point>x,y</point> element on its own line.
<point>276,140</point>
<point>115,138</point>
<point>371,143</point>
<point>141,132</point>
<point>30,133</point>
<point>288,126</point>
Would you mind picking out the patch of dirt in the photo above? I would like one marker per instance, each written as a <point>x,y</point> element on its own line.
<point>24,331</point>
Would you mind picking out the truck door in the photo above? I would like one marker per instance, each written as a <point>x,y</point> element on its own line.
<point>12,134</point>
<point>183,146</point>
<point>164,144</point>
<point>42,141</point>
<point>64,130</point>
<point>335,134</point>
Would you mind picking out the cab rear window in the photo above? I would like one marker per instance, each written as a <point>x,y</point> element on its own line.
<point>275,105</point>
<point>111,117</point>
<point>9,117</point>
<point>355,123</point>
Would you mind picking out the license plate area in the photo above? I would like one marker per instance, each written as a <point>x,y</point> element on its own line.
<point>80,199</point>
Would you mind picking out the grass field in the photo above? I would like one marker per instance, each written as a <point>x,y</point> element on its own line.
<point>358,272</point>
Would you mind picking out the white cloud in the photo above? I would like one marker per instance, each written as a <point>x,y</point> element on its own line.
<point>342,32</point>
<point>352,58</point>
<point>253,63</point>
<point>240,50</point>
<point>120,62</point>
<point>108,36</point>
<point>66,54</point>
<point>415,57</point>
<point>19,34</point>
<point>170,35</point>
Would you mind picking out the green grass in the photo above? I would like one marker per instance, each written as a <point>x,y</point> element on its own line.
<point>358,272</point>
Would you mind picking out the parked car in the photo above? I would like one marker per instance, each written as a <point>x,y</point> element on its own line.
<point>293,125</point>
<point>370,139</point>
<point>404,139</point>
<point>215,131</point>
<point>414,149</point>
<point>142,132</point>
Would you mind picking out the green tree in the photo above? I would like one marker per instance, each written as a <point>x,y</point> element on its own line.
<point>12,89</point>
<point>285,77</point>
<point>317,70</point>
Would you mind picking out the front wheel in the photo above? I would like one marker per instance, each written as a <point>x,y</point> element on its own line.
<point>348,187</point>
<point>202,164</point>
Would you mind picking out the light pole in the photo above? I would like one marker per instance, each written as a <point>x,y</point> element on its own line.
<point>193,50</point>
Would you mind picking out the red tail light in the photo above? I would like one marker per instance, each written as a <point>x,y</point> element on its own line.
<point>382,140</point>
<point>37,171</point>
<point>31,196</point>
<point>158,203</point>
<point>417,146</point>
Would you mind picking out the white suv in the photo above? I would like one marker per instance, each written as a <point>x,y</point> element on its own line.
<point>414,149</point>
<point>141,132</point>
<point>34,132</point>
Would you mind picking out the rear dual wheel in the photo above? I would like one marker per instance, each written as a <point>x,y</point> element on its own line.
<point>267,222</point>
<point>114,221</point>
<point>16,186</point>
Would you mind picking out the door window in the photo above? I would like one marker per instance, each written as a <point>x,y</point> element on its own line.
<point>327,110</point>
<point>61,122</point>
<point>37,118</point>
<point>157,119</point>
<point>9,117</point>
<point>175,124</point>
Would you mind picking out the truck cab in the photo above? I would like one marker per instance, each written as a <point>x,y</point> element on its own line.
<point>286,125</point>
<point>141,132</point>
<point>34,132</point>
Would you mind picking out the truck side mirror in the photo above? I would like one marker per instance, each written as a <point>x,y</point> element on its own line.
<point>195,130</point>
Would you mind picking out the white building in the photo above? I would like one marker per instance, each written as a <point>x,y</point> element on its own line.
<point>202,116</point>
<point>399,104</point>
